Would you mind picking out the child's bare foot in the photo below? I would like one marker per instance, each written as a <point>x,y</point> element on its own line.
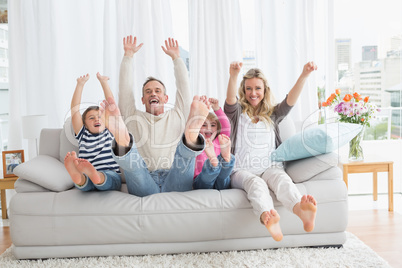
<point>225,142</point>
<point>83,79</point>
<point>198,113</point>
<point>306,209</point>
<point>210,152</point>
<point>114,122</point>
<point>271,221</point>
<point>84,166</point>
<point>75,174</point>
<point>102,78</point>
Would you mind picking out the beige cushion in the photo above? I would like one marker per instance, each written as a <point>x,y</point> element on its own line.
<point>45,171</point>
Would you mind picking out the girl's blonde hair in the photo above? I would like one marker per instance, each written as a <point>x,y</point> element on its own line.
<point>213,117</point>
<point>265,108</point>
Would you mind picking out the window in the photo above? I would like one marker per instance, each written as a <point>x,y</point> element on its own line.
<point>368,43</point>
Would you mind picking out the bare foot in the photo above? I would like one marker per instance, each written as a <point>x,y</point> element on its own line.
<point>306,210</point>
<point>84,166</point>
<point>75,174</point>
<point>198,113</point>
<point>271,221</point>
<point>225,142</point>
<point>114,121</point>
<point>210,152</point>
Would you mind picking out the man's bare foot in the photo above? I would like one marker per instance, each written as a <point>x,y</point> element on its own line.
<point>84,166</point>
<point>102,78</point>
<point>114,121</point>
<point>210,152</point>
<point>75,174</point>
<point>225,142</point>
<point>306,210</point>
<point>198,113</point>
<point>271,221</point>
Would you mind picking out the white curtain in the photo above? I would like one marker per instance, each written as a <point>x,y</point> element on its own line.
<point>288,35</point>
<point>215,41</point>
<point>51,43</point>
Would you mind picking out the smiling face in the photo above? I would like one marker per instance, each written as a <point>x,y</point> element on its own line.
<point>209,129</point>
<point>254,91</point>
<point>154,97</point>
<point>94,122</point>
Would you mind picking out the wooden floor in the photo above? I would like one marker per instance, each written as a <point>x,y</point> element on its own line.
<point>379,229</point>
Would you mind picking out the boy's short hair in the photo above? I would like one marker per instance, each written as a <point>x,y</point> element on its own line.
<point>90,108</point>
<point>149,79</point>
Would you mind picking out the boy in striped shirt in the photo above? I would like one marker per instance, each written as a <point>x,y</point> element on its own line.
<point>95,168</point>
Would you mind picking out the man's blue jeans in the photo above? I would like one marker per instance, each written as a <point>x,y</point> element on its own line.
<point>141,182</point>
<point>215,177</point>
<point>112,182</point>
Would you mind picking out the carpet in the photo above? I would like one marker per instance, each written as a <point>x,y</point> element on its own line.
<point>354,253</point>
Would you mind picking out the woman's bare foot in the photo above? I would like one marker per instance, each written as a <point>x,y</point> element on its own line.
<point>84,166</point>
<point>210,152</point>
<point>225,142</point>
<point>114,122</point>
<point>306,209</point>
<point>75,174</point>
<point>198,113</point>
<point>271,221</point>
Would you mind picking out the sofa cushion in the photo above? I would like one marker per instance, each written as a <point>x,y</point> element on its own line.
<point>304,169</point>
<point>45,171</point>
<point>68,142</point>
<point>315,141</point>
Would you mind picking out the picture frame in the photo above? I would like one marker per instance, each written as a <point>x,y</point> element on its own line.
<point>11,159</point>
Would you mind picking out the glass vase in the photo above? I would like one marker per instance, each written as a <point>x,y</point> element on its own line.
<point>355,149</point>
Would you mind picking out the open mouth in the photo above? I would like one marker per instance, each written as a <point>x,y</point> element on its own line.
<point>208,135</point>
<point>97,125</point>
<point>154,101</point>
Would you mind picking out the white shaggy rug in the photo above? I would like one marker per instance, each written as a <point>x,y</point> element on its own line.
<point>354,253</point>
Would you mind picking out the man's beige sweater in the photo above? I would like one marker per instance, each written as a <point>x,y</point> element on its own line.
<point>156,137</point>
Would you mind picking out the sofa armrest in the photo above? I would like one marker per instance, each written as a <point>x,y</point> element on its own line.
<point>304,169</point>
<point>45,171</point>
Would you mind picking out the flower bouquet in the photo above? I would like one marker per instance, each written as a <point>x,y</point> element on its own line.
<point>356,110</point>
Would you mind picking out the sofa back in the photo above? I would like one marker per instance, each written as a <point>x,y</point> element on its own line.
<point>57,142</point>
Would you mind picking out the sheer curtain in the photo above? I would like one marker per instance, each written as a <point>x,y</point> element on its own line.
<point>51,43</point>
<point>215,41</point>
<point>288,35</point>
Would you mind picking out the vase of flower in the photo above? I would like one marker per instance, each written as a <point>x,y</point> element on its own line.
<point>355,149</point>
<point>354,109</point>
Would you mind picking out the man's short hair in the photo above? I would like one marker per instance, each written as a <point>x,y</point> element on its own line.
<point>151,78</point>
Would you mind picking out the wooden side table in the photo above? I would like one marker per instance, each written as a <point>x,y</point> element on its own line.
<point>5,183</point>
<point>372,166</point>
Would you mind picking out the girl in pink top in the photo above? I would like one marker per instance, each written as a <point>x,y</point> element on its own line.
<point>214,165</point>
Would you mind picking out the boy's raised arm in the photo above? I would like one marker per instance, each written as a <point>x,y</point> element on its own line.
<point>76,118</point>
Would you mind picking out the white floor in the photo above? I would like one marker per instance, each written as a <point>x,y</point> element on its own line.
<point>356,202</point>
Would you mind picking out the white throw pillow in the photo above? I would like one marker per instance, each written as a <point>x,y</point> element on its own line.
<point>45,171</point>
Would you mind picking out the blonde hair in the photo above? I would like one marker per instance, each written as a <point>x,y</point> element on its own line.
<point>265,108</point>
<point>213,117</point>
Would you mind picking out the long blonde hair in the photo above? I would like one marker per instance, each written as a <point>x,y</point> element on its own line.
<point>265,108</point>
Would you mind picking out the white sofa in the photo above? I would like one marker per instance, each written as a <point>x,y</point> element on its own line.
<point>50,218</point>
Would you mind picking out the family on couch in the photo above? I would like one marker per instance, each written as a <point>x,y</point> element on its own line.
<point>157,149</point>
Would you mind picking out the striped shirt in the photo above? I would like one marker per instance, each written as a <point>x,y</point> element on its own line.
<point>97,149</point>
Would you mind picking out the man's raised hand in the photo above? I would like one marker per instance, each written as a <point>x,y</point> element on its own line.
<point>130,45</point>
<point>172,48</point>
